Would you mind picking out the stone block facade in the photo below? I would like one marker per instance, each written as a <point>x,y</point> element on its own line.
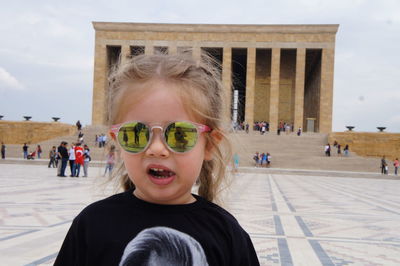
<point>20,132</point>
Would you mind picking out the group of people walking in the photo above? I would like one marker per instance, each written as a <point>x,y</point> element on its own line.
<point>262,159</point>
<point>75,155</point>
<point>31,155</point>
<point>385,166</point>
<point>338,147</point>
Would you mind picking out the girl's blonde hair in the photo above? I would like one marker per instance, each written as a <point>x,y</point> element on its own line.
<point>199,85</point>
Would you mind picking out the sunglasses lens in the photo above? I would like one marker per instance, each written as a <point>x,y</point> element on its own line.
<point>133,137</point>
<point>181,136</point>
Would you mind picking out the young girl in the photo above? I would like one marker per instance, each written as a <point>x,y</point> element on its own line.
<point>157,220</point>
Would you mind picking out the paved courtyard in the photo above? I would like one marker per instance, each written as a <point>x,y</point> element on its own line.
<point>292,219</point>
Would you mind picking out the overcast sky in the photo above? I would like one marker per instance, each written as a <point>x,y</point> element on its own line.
<point>47,48</point>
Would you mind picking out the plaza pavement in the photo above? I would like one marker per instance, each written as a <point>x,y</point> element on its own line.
<point>293,217</point>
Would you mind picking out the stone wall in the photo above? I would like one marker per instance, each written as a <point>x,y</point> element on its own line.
<point>369,144</point>
<point>19,132</point>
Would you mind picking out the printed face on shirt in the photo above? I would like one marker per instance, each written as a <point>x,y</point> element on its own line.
<point>162,176</point>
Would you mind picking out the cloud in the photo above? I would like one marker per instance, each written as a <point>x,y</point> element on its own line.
<point>8,81</point>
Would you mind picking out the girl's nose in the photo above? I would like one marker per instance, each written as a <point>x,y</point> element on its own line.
<point>157,147</point>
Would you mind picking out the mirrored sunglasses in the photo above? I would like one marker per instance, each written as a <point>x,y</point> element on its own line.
<point>178,136</point>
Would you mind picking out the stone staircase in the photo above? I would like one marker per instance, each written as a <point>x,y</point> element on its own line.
<point>287,150</point>
<point>300,152</point>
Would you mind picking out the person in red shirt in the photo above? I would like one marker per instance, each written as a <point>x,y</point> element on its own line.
<point>79,160</point>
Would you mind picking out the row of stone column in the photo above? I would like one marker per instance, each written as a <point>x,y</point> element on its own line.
<point>326,86</point>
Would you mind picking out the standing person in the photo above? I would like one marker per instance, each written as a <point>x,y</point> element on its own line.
<point>87,159</point>
<point>339,151</point>
<point>256,158</point>
<point>104,140</point>
<point>299,132</point>
<point>52,156</point>
<point>79,160</point>
<point>39,151</point>
<point>3,151</point>
<point>287,129</point>
<point>63,154</point>
<point>264,159</point>
<point>78,125</point>
<point>110,161</point>
<point>247,128</point>
<point>25,150</point>
<point>71,158</point>
<point>263,129</point>
<point>269,158</point>
<point>396,165</point>
<point>158,179</point>
<point>346,150</point>
<point>384,170</point>
<point>80,137</point>
<point>327,147</point>
<point>236,162</point>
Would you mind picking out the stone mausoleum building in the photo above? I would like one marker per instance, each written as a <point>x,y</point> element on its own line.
<point>271,73</point>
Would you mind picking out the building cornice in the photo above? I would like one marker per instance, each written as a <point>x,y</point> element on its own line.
<point>217,28</point>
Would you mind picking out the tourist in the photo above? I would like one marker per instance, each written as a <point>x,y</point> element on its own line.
<point>339,151</point>
<point>269,157</point>
<point>299,131</point>
<point>328,150</point>
<point>86,154</point>
<point>263,129</point>
<point>25,150</point>
<point>52,157</point>
<point>71,158</point>
<point>79,160</point>
<point>264,160</point>
<point>63,154</point>
<point>78,125</point>
<point>80,137</point>
<point>110,161</point>
<point>384,166</point>
<point>396,165</point>
<point>236,162</point>
<point>256,158</point>
<point>3,151</point>
<point>335,143</point>
<point>247,128</point>
<point>346,150</point>
<point>39,151</point>
<point>158,178</point>
<point>287,129</point>
<point>96,141</point>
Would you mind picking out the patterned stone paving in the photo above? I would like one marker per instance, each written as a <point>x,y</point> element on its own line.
<point>292,219</point>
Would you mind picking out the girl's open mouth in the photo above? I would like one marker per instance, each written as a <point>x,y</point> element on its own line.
<point>160,173</point>
<point>160,176</point>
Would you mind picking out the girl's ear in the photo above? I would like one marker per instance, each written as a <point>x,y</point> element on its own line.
<point>214,138</point>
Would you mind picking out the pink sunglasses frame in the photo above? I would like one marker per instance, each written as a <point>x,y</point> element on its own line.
<point>115,129</point>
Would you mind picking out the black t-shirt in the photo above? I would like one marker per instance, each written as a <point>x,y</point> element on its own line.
<point>103,230</point>
<point>63,152</point>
